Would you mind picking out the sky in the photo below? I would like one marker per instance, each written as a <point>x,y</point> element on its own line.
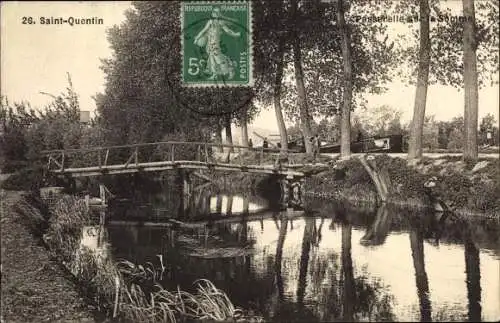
<point>37,57</point>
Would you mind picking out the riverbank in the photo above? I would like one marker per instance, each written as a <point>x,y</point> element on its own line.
<point>437,182</point>
<point>380,221</point>
<point>35,288</point>
<point>467,189</point>
<point>47,267</point>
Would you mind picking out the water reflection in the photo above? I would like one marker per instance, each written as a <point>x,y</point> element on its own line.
<point>234,205</point>
<point>473,277</point>
<point>417,253</point>
<point>379,230</point>
<point>341,265</point>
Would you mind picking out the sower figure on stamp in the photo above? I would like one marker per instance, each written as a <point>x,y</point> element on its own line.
<point>210,37</point>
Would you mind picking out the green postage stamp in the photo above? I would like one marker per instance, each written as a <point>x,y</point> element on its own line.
<point>216,43</point>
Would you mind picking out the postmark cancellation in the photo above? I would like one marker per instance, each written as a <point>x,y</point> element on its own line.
<point>217,43</point>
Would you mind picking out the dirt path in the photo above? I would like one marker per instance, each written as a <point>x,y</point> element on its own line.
<point>34,288</point>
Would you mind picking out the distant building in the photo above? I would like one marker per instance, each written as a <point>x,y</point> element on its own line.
<point>85,117</point>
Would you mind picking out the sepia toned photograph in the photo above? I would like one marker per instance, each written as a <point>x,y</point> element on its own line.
<point>250,161</point>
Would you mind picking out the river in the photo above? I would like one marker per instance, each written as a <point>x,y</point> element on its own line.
<point>319,265</point>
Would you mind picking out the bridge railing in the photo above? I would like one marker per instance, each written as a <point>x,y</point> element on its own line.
<point>143,153</point>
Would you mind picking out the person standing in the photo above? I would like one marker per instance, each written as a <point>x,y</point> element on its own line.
<point>250,143</point>
<point>265,143</point>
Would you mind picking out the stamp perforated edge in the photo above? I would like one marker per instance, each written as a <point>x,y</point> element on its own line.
<point>251,80</point>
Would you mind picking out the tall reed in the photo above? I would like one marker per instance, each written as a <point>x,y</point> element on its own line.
<point>128,291</point>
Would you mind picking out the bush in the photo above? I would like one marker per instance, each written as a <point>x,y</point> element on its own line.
<point>458,189</point>
<point>128,290</point>
<point>66,223</point>
<point>27,179</point>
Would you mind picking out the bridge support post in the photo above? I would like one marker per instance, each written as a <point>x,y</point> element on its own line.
<point>102,211</point>
<point>285,190</point>
<point>185,191</point>
<point>296,188</point>
<point>186,183</point>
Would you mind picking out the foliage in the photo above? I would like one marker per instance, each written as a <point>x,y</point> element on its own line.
<point>144,99</point>
<point>183,152</point>
<point>457,187</point>
<point>446,35</point>
<point>488,125</point>
<point>430,133</point>
<point>478,192</point>
<point>131,291</point>
<point>314,28</point>
<point>66,222</point>
<point>372,57</point>
<point>27,132</point>
<point>26,179</point>
<point>456,139</point>
<point>380,121</point>
<point>34,287</point>
<point>445,136</point>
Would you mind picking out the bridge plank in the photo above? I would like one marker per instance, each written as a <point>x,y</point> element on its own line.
<point>168,165</point>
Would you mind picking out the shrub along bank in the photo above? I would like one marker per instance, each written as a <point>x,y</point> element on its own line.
<point>120,290</point>
<point>464,187</point>
<point>35,287</point>
<point>123,290</point>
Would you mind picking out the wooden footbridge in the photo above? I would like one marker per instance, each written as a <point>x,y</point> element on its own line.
<point>161,156</point>
<point>185,158</point>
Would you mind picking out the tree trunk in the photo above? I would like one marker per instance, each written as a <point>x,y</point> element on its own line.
<point>279,258</point>
<point>345,123</point>
<point>473,278</point>
<point>307,240</point>
<point>246,204</point>
<point>349,293</point>
<point>244,129</point>
<point>417,252</point>
<point>229,135</point>
<point>417,125</point>
<point>277,96</point>
<point>305,119</point>
<point>470,82</point>
<point>218,204</point>
<point>229,206</point>
<point>218,137</point>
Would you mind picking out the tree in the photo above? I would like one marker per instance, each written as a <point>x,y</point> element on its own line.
<point>450,133</point>
<point>244,128</point>
<point>380,121</point>
<point>324,63</point>
<point>229,134</point>
<point>277,95</point>
<point>27,131</point>
<point>456,139</point>
<point>470,81</point>
<point>345,123</point>
<point>430,133</point>
<point>421,280</point>
<point>321,57</point>
<point>447,65</point>
<point>416,130</point>
<point>305,117</point>
<point>488,131</point>
<point>144,99</point>
<point>271,47</point>
<point>243,117</point>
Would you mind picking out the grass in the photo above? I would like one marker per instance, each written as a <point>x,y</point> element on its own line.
<point>124,290</point>
<point>463,192</point>
<point>35,287</point>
